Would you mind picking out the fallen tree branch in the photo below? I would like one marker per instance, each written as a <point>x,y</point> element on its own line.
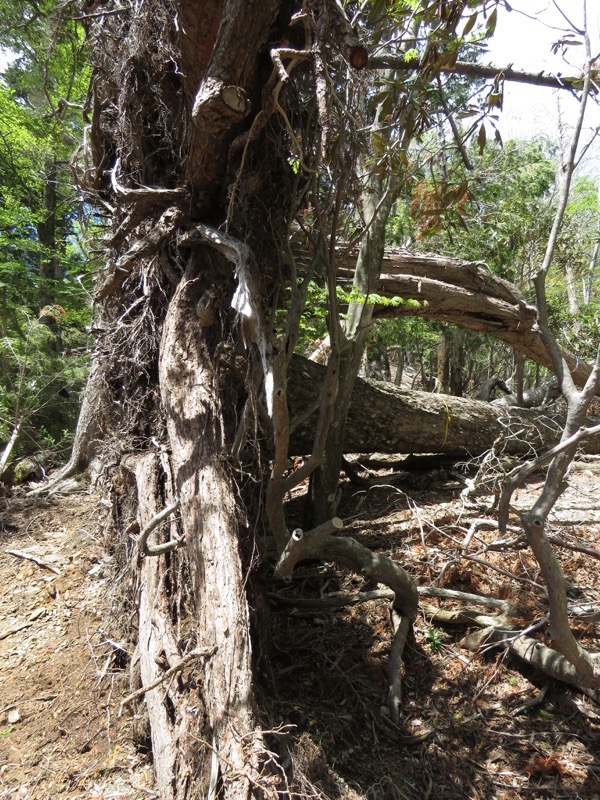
<point>539,655</point>
<point>465,293</point>
<point>35,559</point>
<point>576,548</point>
<point>466,616</point>
<point>331,603</point>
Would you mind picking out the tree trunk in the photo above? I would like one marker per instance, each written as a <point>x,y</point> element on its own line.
<point>207,501</point>
<point>177,87</point>
<point>376,205</point>
<point>457,371</point>
<point>444,352</point>
<point>384,418</point>
<point>571,285</point>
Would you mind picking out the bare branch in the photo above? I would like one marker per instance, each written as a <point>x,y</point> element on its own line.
<point>571,83</point>
<point>203,652</point>
<point>158,549</point>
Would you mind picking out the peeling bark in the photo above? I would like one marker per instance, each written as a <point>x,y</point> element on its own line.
<point>210,527</point>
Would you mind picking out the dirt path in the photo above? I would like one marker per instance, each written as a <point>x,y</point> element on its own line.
<point>61,675</point>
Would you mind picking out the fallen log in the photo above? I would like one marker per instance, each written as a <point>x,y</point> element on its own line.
<point>387,419</point>
<point>464,293</point>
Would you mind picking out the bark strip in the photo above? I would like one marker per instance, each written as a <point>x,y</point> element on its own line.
<point>207,503</point>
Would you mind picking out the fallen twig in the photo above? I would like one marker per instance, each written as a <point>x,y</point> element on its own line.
<point>341,601</point>
<point>465,616</point>
<point>10,631</point>
<point>35,559</point>
<point>577,548</point>
<point>534,701</point>
<point>539,655</point>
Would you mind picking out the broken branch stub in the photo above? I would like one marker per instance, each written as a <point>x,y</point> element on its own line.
<point>318,543</point>
<point>303,545</point>
<point>219,100</point>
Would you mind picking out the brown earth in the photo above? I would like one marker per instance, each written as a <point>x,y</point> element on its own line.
<point>473,725</point>
<point>61,670</point>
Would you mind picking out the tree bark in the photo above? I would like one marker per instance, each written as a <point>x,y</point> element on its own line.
<point>384,418</point>
<point>208,511</point>
<point>176,89</point>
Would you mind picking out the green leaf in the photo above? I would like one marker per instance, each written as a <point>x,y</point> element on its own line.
<point>481,138</point>
<point>490,25</point>
<point>470,24</point>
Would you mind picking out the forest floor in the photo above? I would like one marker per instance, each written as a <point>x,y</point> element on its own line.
<point>62,672</point>
<point>477,726</point>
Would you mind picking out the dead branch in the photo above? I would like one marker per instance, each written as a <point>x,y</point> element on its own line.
<point>576,548</point>
<point>570,83</point>
<point>158,549</point>
<point>539,655</point>
<point>10,631</point>
<point>303,545</point>
<point>35,559</point>
<point>331,603</point>
<point>465,616</point>
<point>203,652</point>
<point>465,293</point>
<point>319,543</point>
<point>154,194</point>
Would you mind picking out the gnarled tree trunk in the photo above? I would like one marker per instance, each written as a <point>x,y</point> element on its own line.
<point>177,88</point>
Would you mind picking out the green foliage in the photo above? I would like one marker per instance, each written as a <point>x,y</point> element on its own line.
<point>44,305</point>
<point>434,638</point>
<point>500,212</point>
<point>356,296</point>
<point>35,381</point>
<point>313,324</point>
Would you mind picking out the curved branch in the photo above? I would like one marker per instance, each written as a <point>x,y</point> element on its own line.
<point>381,569</point>
<point>158,549</point>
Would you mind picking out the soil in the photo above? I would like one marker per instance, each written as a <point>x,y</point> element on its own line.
<point>62,673</point>
<point>474,725</point>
